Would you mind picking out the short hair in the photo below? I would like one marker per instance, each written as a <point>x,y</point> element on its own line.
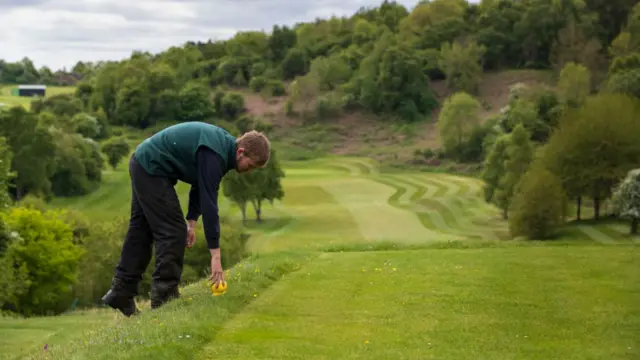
<point>256,146</point>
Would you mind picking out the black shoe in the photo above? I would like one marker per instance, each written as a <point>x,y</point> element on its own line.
<point>159,298</point>
<point>126,305</point>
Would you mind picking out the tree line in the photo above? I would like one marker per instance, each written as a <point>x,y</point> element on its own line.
<point>552,146</point>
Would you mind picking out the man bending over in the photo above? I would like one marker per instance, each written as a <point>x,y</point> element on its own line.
<point>196,153</point>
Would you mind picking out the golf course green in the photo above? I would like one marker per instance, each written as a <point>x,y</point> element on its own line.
<point>357,263</point>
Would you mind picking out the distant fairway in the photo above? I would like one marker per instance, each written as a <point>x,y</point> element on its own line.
<point>322,282</point>
<point>9,100</point>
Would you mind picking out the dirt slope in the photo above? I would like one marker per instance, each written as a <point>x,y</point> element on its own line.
<point>361,134</point>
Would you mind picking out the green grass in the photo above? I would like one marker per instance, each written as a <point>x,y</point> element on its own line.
<point>519,303</point>
<point>322,280</point>
<point>21,336</point>
<point>10,100</point>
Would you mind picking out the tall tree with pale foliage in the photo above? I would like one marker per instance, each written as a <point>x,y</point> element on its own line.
<point>574,84</point>
<point>458,118</point>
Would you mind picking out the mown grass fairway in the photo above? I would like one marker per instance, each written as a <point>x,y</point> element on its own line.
<point>357,263</point>
<point>9,100</point>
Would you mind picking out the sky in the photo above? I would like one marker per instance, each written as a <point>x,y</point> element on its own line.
<point>59,33</point>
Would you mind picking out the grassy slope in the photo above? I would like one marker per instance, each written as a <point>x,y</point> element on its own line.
<point>487,299</point>
<point>483,298</point>
<point>10,100</point>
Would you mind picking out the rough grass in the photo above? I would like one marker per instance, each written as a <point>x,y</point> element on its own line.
<point>361,263</point>
<point>9,100</point>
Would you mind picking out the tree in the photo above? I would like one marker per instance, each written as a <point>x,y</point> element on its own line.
<point>195,103</point>
<point>237,187</point>
<point>270,186</point>
<point>519,157</point>
<point>255,187</point>
<point>494,167</point>
<point>461,64</point>
<point>538,207</point>
<point>458,118</point>
<point>626,199</point>
<point>115,149</point>
<point>591,150</point>
<point>33,150</point>
<point>574,84</point>
<point>295,63</point>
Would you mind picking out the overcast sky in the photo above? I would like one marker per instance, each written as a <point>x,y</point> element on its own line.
<point>58,33</point>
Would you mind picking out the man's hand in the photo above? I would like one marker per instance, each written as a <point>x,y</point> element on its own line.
<point>217,275</point>
<point>191,233</point>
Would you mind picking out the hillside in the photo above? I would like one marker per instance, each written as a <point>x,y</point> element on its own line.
<point>362,134</point>
<point>409,256</point>
<point>417,204</point>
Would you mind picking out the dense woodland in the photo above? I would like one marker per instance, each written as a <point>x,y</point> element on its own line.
<point>550,150</point>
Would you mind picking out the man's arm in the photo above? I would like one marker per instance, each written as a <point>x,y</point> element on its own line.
<point>210,173</point>
<point>193,213</point>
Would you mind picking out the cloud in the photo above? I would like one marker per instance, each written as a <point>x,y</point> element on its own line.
<point>58,33</point>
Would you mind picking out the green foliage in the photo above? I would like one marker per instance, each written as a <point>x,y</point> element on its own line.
<point>519,157</point>
<point>574,84</point>
<point>194,102</point>
<point>625,82</point>
<point>591,150</point>
<point>458,119</point>
<point>6,175</point>
<point>539,205</point>
<point>255,187</point>
<point>102,246</point>
<point>295,63</point>
<point>391,81</point>
<point>626,199</point>
<point>116,148</point>
<point>258,83</point>
<point>78,165</point>
<point>494,168</point>
<point>86,125</point>
<point>461,65</point>
<point>276,88</point>
<point>33,150</point>
<point>231,105</point>
<point>45,247</point>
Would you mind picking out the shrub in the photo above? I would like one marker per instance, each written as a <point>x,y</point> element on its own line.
<point>44,247</point>
<point>539,206</point>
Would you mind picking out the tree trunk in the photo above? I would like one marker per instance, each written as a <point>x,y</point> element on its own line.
<point>243,208</point>
<point>257,204</point>
<point>505,215</point>
<point>596,208</point>
<point>634,226</point>
<point>578,207</point>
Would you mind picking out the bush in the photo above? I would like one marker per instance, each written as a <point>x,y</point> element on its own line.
<point>232,105</point>
<point>102,246</point>
<point>258,83</point>
<point>539,206</point>
<point>44,247</point>
<point>115,149</point>
<point>276,87</point>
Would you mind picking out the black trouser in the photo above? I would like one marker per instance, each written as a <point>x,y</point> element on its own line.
<point>156,215</point>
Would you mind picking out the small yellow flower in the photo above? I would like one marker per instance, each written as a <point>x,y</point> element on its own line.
<point>366,341</point>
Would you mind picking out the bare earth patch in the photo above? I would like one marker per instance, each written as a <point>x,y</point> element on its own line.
<point>366,135</point>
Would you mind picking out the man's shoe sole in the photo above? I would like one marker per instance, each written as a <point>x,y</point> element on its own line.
<point>117,303</point>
